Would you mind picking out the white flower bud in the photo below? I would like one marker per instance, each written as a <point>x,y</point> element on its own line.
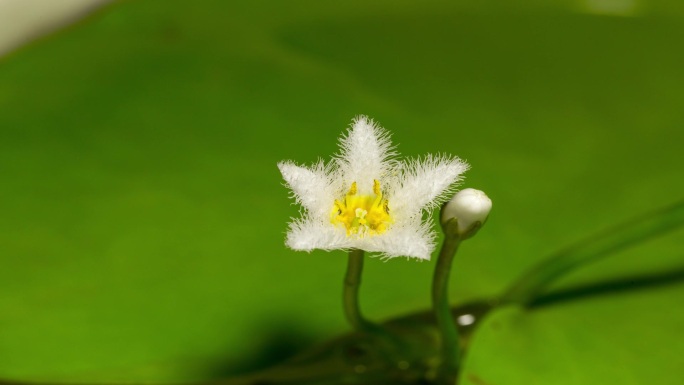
<point>467,206</point>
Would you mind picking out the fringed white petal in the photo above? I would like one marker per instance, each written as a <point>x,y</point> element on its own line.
<point>426,183</point>
<point>365,154</point>
<point>307,234</point>
<point>413,239</point>
<point>311,187</point>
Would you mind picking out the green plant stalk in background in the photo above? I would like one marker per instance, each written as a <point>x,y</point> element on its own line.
<point>530,285</point>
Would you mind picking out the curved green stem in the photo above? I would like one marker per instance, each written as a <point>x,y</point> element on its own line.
<point>352,282</point>
<point>530,285</point>
<point>450,344</point>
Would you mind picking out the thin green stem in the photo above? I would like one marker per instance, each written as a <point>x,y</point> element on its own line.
<point>352,282</point>
<point>440,302</point>
<point>531,285</point>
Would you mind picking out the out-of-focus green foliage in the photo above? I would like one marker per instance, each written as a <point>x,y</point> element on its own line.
<point>142,216</point>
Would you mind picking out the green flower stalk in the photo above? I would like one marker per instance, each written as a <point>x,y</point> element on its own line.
<point>352,282</point>
<point>461,218</point>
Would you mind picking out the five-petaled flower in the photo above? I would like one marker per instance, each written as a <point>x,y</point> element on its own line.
<point>367,199</point>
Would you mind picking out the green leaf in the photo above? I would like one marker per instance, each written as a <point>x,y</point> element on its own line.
<point>627,338</point>
<point>142,214</point>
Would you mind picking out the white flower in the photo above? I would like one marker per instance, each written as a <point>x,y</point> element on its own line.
<point>366,199</point>
<point>467,206</point>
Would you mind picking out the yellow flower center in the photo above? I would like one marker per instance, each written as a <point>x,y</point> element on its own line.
<point>362,214</point>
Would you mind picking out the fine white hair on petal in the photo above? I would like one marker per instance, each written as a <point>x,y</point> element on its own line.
<point>365,154</point>
<point>414,239</point>
<point>311,187</point>
<point>307,234</point>
<point>426,183</point>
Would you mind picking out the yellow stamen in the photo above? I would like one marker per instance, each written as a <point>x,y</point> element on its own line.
<point>362,215</point>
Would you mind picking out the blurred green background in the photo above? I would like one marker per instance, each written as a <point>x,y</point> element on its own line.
<point>142,216</point>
